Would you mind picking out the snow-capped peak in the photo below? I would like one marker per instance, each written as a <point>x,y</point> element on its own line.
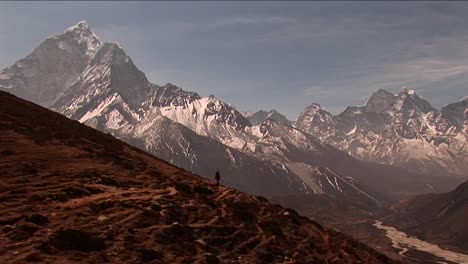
<point>82,25</point>
<point>405,90</point>
<point>395,129</point>
<point>83,34</point>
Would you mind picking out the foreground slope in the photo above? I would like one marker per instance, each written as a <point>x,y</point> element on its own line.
<point>72,194</point>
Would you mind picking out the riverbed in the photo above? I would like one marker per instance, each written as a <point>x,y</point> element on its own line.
<point>403,243</point>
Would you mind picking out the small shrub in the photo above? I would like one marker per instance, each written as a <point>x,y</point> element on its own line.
<point>182,187</point>
<point>7,152</point>
<point>148,255</point>
<point>61,197</point>
<point>102,205</point>
<point>38,219</point>
<point>35,198</point>
<point>73,239</point>
<point>156,207</point>
<point>76,192</point>
<point>109,181</point>
<point>23,232</point>
<point>202,190</point>
<point>19,191</point>
<point>244,211</point>
<point>272,227</point>
<point>248,246</point>
<point>33,257</point>
<point>29,168</point>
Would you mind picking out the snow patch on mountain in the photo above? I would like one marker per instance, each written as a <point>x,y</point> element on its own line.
<point>96,111</point>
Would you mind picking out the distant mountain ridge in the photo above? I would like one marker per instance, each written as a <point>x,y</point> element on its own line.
<point>401,129</point>
<point>261,116</point>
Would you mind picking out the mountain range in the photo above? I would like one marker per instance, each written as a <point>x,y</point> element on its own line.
<point>97,83</point>
<point>401,129</point>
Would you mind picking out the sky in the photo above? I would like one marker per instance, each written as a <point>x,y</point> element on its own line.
<point>269,55</point>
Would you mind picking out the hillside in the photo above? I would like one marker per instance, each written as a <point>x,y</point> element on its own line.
<point>439,218</point>
<point>71,194</point>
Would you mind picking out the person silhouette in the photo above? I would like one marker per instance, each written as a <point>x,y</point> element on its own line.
<point>217,178</point>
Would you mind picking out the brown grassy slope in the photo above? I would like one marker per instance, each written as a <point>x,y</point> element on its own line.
<point>71,194</point>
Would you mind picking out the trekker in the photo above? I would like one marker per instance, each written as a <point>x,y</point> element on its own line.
<point>217,178</point>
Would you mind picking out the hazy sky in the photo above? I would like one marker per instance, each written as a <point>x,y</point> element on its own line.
<point>264,55</point>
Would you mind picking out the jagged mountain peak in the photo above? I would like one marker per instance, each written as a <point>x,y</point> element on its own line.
<point>405,91</point>
<point>315,118</point>
<point>172,95</point>
<point>83,35</point>
<point>272,111</point>
<point>125,77</point>
<point>260,116</point>
<point>382,91</point>
<point>380,101</point>
<point>111,53</point>
<point>53,66</point>
<point>457,113</point>
<point>171,86</point>
<point>315,106</point>
<point>82,25</point>
<point>314,110</point>
<point>110,79</point>
<point>352,110</point>
<point>409,100</point>
<point>224,112</point>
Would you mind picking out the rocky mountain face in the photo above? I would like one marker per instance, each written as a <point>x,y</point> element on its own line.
<point>52,67</point>
<point>457,114</point>
<point>439,218</point>
<point>108,201</point>
<point>261,116</point>
<point>400,129</point>
<point>112,95</point>
<point>208,116</point>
